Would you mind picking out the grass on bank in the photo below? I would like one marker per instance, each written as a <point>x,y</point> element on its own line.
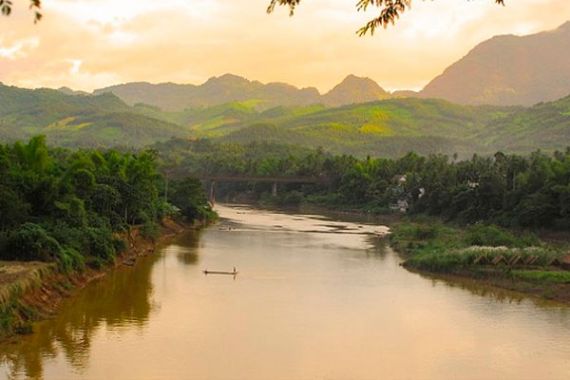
<point>432,246</point>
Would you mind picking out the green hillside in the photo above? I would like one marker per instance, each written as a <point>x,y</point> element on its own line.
<point>69,120</point>
<point>388,127</point>
<point>545,126</point>
<point>346,141</point>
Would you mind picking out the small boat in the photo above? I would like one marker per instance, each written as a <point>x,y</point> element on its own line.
<point>235,272</point>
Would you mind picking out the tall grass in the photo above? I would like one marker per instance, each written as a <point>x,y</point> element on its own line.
<point>436,247</point>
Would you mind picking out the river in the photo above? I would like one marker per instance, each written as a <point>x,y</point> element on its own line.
<point>314,298</point>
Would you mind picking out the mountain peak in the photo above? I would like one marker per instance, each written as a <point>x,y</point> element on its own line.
<point>351,78</point>
<point>354,89</point>
<point>227,79</point>
<point>509,70</point>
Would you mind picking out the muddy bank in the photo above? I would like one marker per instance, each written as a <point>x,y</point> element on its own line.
<point>32,291</point>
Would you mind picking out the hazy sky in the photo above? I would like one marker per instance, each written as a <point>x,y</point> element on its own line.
<point>87,44</point>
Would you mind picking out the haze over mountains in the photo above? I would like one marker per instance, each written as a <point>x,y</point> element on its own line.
<point>509,70</point>
<point>231,88</point>
<point>389,127</point>
<point>357,116</point>
<point>505,70</point>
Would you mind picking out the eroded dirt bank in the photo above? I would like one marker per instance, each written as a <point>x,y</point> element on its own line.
<point>32,291</point>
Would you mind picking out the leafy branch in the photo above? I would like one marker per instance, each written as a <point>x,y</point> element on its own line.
<point>390,11</point>
<point>35,6</point>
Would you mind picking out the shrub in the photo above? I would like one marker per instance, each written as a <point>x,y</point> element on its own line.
<point>493,236</point>
<point>119,244</point>
<point>100,243</point>
<point>438,262</point>
<point>70,259</point>
<point>150,230</point>
<point>31,242</point>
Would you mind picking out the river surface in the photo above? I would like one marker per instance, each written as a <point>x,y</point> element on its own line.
<point>314,299</point>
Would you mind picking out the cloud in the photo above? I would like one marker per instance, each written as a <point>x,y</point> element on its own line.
<point>18,49</point>
<point>87,44</point>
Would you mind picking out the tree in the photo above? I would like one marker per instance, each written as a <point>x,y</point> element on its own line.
<point>390,11</point>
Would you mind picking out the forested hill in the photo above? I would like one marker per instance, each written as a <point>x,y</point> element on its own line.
<point>545,125</point>
<point>69,120</point>
<point>387,128</point>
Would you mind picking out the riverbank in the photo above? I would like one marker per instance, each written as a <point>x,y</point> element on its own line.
<point>32,291</point>
<point>517,261</point>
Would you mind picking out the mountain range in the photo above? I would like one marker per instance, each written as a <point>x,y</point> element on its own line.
<point>389,127</point>
<point>357,116</point>
<point>232,88</point>
<point>504,70</point>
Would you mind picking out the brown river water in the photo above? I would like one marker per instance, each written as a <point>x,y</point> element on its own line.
<point>314,299</point>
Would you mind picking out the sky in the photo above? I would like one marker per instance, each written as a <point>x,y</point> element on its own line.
<point>89,44</point>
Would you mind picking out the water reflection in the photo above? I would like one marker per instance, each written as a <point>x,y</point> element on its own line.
<point>315,299</point>
<point>121,300</point>
<point>490,292</point>
<point>188,245</point>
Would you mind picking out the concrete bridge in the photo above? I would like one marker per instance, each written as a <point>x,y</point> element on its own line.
<point>275,180</point>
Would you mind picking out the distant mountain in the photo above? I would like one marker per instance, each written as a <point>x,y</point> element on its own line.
<point>509,70</point>
<point>231,88</point>
<point>353,90</point>
<point>388,127</point>
<point>70,120</point>
<point>217,90</point>
<point>405,94</point>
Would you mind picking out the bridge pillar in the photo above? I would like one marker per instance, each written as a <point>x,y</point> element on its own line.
<point>274,189</point>
<point>212,196</point>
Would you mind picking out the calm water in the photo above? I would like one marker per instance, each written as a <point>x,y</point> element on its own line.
<point>314,299</point>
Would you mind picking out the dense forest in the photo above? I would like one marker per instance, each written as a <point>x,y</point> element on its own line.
<point>383,128</point>
<point>509,190</point>
<point>68,207</point>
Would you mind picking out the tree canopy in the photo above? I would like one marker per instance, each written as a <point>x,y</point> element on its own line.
<point>390,11</point>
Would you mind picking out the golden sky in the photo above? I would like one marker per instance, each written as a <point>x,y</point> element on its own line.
<point>87,44</point>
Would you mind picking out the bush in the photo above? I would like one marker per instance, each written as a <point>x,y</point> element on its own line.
<point>425,232</point>
<point>31,242</point>
<point>293,198</point>
<point>100,243</point>
<point>493,236</point>
<point>438,262</point>
<point>71,259</point>
<point>119,245</point>
<point>150,230</point>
